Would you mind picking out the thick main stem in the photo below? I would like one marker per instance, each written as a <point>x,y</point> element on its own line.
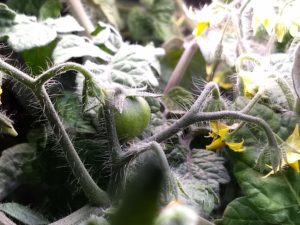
<point>81,15</point>
<point>90,188</point>
<point>182,65</point>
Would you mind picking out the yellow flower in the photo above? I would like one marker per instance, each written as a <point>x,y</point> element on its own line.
<point>250,83</point>
<point>219,133</point>
<point>221,78</point>
<point>292,149</point>
<point>201,26</point>
<point>277,17</point>
<point>209,15</point>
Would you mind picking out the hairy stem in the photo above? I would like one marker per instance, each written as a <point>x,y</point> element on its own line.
<point>239,116</point>
<point>286,90</point>
<point>59,69</point>
<point>182,65</point>
<point>16,74</point>
<point>114,145</point>
<point>247,109</point>
<point>132,153</point>
<point>179,124</point>
<point>90,188</point>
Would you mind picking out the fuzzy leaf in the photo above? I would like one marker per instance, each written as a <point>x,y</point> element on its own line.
<point>282,124</point>
<point>132,65</point>
<point>200,178</point>
<point>106,36</point>
<point>66,24</point>
<point>12,162</point>
<point>240,211</point>
<point>135,66</point>
<point>178,98</point>
<point>68,107</point>
<point>23,214</point>
<point>28,7</point>
<point>275,199</point>
<point>72,46</point>
<point>27,33</point>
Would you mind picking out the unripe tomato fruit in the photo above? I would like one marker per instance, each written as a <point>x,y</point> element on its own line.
<point>134,118</point>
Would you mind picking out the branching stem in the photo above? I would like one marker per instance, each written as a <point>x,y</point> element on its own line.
<point>90,188</point>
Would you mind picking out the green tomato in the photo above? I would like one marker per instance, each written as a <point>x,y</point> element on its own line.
<point>134,118</point>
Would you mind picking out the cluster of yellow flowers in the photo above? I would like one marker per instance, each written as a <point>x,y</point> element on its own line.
<point>277,17</point>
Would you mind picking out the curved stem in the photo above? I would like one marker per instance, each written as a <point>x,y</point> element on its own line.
<point>246,57</point>
<point>59,69</point>
<point>16,74</point>
<point>239,116</point>
<point>156,147</point>
<point>247,109</point>
<point>90,188</point>
<point>195,108</point>
<point>286,90</point>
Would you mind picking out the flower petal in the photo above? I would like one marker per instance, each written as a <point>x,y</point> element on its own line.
<point>295,166</point>
<point>215,144</point>
<point>280,30</point>
<point>236,146</point>
<point>294,138</point>
<point>201,26</point>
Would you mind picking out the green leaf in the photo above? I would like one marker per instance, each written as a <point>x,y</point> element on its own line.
<point>178,98</point>
<point>12,162</point>
<point>50,8</point>
<point>38,58</point>
<point>152,22</point>
<point>27,33</point>
<point>107,37</point>
<point>109,9</point>
<point>28,7</point>
<point>132,66</point>
<point>65,24</point>
<point>72,46</point>
<point>240,211</point>
<point>23,214</point>
<point>135,65</point>
<point>68,107</point>
<point>6,14</point>
<point>282,124</point>
<point>274,198</point>
<point>200,177</point>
